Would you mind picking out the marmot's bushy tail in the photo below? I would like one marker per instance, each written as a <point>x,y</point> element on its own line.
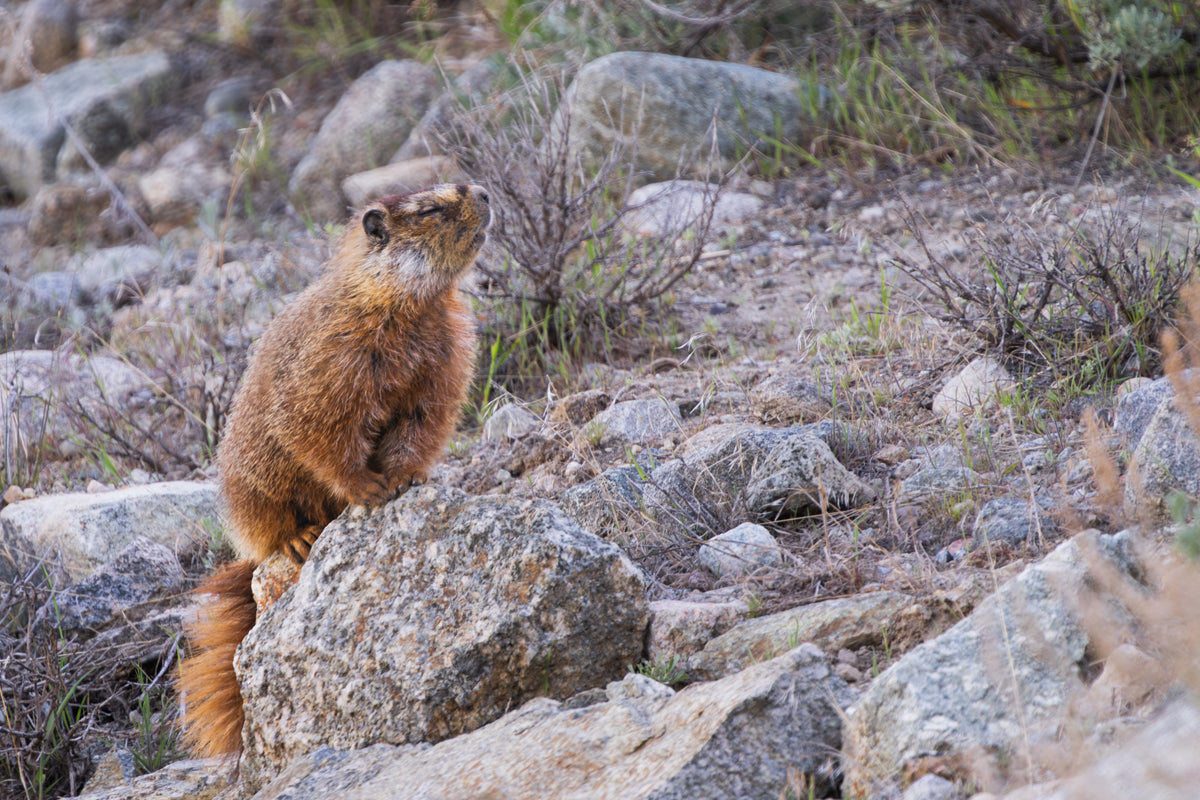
<point>212,700</point>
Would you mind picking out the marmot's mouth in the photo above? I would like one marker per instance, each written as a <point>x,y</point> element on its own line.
<point>479,239</point>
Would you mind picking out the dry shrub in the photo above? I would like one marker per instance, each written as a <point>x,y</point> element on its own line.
<point>561,273</point>
<point>1077,312</point>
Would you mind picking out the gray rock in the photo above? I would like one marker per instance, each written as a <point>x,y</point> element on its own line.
<point>580,407</point>
<point>1159,762</point>
<point>189,778</point>
<point>742,737</point>
<point>740,551</point>
<point>674,107</point>
<point>1166,459</point>
<point>935,482</point>
<point>510,422</point>
<point>187,176</point>
<point>603,504</point>
<point>143,579</point>
<point>1001,680</point>
<point>785,400</point>
<point>768,471</point>
<point>931,787</point>
<point>51,29</point>
<point>429,617</point>
<point>57,290</point>
<point>89,530</point>
<point>232,95</point>
<point>400,178</point>
<point>467,90</point>
<point>862,620</point>
<point>1136,408</point>
<point>972,389</point>
<point>106,100</point>
<point>139,572</point>
<point>634,422</point>
<point>115,275</point>
<point>1010,521</point>
<point>670,208</point>
<point>373,118</point>
<point>681,628</point>
<point>72,214</point>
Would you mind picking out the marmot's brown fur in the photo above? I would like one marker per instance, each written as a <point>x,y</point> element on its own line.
<point>351,394</point>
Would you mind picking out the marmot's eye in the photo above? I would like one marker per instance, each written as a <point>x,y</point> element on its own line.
<point>425,212</point>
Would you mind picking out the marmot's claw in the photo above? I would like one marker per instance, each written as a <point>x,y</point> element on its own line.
<point>417,478</point>
<point>371,490</point>
<point>298,548</point>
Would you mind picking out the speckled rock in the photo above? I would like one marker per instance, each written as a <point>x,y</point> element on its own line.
<point>89,530</point>
<point>106,100</point>
<point>973,388</point>
<point>373,118</point>
<point>675,107</point>
<point>429,617</point>
<point>742,737</point>
<point>1000,680</point>
<point>740,551</point>
<point>846,622</point>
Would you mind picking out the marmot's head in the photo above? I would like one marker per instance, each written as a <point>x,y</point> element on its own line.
<point>426,238</point>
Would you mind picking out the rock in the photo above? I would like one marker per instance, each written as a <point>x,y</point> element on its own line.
<point>373,118</point>
<point>88,530</point>
<point>105,99</point>
<point>428,618</point>
<point>770,471</point>
<point>71,214</point>
<point>1007,520</point>
<point>680,628</point>
<point>1136,407</point>
<point>39,387</point>
<point>50,27</point>
<point>862,620</point>
<point>638,687</point>
<point>668,105</point>
<point>1158,762</point>
<point>233,95</point>
<point>937,482</point>
<point>467,90</point>
<point>117,592</point>
<point>1166,459</point>
<point>740,551</point>
<point>190,779</point>
<point>972,389</point>
<point>1130,678</point>
<point>931,787</point>
<point>996,686</point>
<point>602,504</point>
<point>670,208</point>
<point>117,275</point>
<point>187,176</point>
<point>745,736</point>
<point>580,407</point>
<point>784,400</point>
<point>634,422</point>
<point>400,178</point>
<point>510,422</point>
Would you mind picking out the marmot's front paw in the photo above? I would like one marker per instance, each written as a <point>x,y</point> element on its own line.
<point>418,478</point>
<point>369,490</point>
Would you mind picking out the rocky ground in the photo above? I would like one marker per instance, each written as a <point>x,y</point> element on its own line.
<point>855,551</point>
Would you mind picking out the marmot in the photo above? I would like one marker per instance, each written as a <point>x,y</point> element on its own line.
<point>351,394</point>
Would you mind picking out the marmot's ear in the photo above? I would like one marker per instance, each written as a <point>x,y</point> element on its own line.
<point>375,227</point>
